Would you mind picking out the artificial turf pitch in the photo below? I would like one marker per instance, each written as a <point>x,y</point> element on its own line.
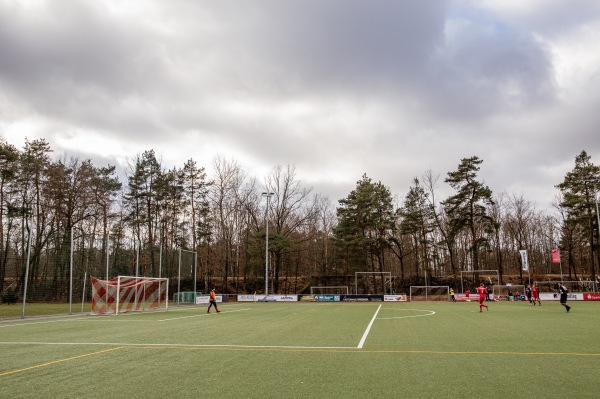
<point>309,350</point>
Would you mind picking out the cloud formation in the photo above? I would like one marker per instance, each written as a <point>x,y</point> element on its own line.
<point>339,87</point>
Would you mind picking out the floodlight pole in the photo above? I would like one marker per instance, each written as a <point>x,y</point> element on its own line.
<point>597,216</point>
<point>597,213</point>
<point>268,195</point>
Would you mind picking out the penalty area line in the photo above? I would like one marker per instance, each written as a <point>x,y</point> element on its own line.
<point>366,334</point>
<point>58,361</point>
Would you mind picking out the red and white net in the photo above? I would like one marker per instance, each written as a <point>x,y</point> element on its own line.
<point>128,294</point>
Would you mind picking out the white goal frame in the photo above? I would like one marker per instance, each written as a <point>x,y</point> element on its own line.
<point>193,272</point>
<point>429,288</point>
<point>590,284</point>
<point>462,289</point>
<point>382,274</point>
<point>130,294</point>
<point>341,287</point>
<point>504,288</point>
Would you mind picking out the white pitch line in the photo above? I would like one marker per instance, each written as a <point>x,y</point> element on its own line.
<point>431,313</point>
<point>177,345</point>
<point>202,315</point>
<point>93,318</point>
<point>28,323</point>
<point>364,337</point>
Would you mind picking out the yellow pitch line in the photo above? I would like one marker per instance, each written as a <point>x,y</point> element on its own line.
<point>59,361</point>
<point>340,350</point>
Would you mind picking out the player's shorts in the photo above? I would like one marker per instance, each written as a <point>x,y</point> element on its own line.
<point>481,299</point>
<point>563,298</point>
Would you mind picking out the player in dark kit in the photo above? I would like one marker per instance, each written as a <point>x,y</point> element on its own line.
<point>528,294</point>
<point>482,291</point>
<point>563,295</point>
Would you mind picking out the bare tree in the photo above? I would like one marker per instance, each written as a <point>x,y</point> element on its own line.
<point>292,207</point>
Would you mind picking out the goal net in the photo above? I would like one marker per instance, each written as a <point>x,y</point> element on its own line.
<point>470,280</point>
<point>429,293</point>
<point>376,283</point>
<point>129,294</point>
<point>572,286</point>
<point>504,292</point>
<point>337,290</point>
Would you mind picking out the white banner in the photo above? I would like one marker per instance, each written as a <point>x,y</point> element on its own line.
<point>205,299</point>
<point>269,298</point>
<point>549,296</point>
<point>523,253</point>
<point>395,298</point>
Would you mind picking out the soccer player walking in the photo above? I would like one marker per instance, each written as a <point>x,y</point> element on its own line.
<point>563,295</point>
<point>482,291</point>
<point>535,295</point>
<point>213,302</point>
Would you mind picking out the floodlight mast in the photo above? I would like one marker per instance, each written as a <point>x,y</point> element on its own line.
<point>268,195</point>
<point>597,213</point>
<point>598,217</point>
<point>594,183</point>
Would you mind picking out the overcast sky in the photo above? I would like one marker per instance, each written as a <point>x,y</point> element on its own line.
<point>338,88</point>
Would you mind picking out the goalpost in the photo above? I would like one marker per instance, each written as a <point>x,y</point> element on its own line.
<point>572,286</point>
<point>187,274</point>
<point>379,278</point>
<point>336,289</point>
<point>505,291</point>
<point>129,294</point>
<point>429,293</point>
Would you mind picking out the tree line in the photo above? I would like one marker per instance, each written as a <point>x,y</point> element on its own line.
<point>220,216</point>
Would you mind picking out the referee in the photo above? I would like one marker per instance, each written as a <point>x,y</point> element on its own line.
<point>563,295</point>
<point>213,302</point>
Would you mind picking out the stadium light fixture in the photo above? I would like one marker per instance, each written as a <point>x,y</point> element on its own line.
<point>268,195</point>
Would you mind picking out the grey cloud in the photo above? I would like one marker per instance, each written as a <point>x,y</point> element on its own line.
<point>391,88</point>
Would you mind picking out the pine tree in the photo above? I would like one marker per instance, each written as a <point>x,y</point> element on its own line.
<point>365,222</point>
<point>579,189</point>
<point>466,210</point>
<point>417,221</point>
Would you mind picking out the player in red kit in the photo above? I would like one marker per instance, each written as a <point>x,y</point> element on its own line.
<point>535,295</point>
<point>482,293</point>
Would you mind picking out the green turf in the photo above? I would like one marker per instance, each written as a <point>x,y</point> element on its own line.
<point>41,309</point>
<point>308,350</point>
